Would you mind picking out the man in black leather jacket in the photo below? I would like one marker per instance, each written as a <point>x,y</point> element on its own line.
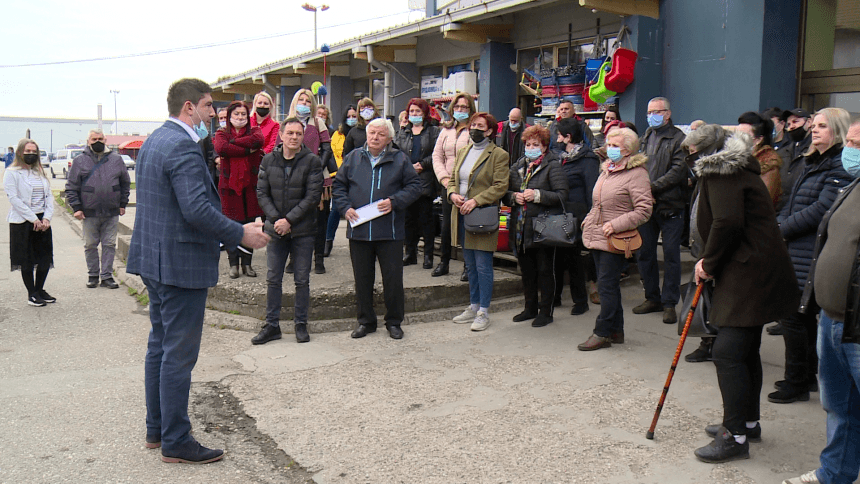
<point>668,171</point>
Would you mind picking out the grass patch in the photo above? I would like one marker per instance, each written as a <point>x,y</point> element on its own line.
<point>133,185</point>
<point>132,291</point>
<point>142,299</point>
<point>233,311</point>
<point>61,201</point>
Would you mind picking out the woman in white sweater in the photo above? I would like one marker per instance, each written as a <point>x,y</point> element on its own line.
<point>30,240</point>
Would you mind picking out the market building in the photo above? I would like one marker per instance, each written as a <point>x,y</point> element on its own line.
<point>713,59</point>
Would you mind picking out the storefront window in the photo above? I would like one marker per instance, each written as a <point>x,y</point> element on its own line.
<point>832,35</point>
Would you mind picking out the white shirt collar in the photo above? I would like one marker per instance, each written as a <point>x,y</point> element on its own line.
<point>188,129</point>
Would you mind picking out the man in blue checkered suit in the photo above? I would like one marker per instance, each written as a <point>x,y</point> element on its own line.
<point>174,248</point>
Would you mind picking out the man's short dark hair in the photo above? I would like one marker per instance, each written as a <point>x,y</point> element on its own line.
<point>187,89</point>
<point>287,121</point>
<point>568,101</point>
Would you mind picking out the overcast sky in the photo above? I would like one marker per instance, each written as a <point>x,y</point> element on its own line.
<point>42,31</point>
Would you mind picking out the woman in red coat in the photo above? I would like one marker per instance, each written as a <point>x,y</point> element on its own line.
<point>239,146</point>
<point>263,118</point>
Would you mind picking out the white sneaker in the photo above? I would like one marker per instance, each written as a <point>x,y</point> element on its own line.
<point>466,317</point>
<point>808,478</point>
<point>482,321</point>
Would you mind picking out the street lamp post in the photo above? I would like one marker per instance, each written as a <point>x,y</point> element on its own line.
<point>314,8</point>
<point>115,117</point>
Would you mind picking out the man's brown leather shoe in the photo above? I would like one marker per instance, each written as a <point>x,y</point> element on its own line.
<point>595,343</point>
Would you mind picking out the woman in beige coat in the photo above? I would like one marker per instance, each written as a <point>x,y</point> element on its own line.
<point>453,137</point>
<point>480,177</point>
<point>622,201</point>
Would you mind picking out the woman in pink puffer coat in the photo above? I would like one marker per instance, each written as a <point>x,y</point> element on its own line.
<point>622,201</point>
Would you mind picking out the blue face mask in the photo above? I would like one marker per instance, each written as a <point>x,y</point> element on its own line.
<point>416,119</point>
<point>613,152</point>
<point>461,116</point>
<point>514,125</point>
<point>200,129</point>
<point>533,153</point>
<point>351,122</point>
<point>655,120</point>
<point>851,161</point>
<point>303,110</point>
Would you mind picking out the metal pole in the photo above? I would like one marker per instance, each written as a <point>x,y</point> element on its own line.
<point>315,29</point>
<point>115,117</point>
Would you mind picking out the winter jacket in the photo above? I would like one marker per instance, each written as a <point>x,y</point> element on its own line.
<point>290,190</point>
<point>239,165</point>
<point>813,194</point>
<point>621,197</point>
<point>490,185</point>
<point>790,171</point>
<point>448,144</point>
<point>358,183</point>
<point>337,140</point>
<point>355,140</point>
<point>209,155</point>
<point>770,163</point>
<point>107,186</point>
<point>743,249</point>
<point>403,140</point>
<point>270,128</point>
<point>550,187</point>
<point>851,328</point>
<point>667,168</point>
<point>581,171</point>
<point>511,140</point>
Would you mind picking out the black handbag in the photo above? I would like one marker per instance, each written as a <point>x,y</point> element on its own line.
<point>701,324</point>
<point>559,230</point>
<point>483,219</point>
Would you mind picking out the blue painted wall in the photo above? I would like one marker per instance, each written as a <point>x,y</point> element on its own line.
<point>646,40</point>
<point>497,82</point>
<point>779,53</point>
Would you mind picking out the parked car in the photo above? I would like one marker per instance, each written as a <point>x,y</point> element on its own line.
<point>43,155</point>
<point>62,163</point>
<point>129,163</point>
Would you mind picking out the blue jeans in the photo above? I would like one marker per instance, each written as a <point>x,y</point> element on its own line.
<point>672,229</point>
<point>839,378</point>
<point>333,221</point>
<point>611,317</point>
<point>277,252</point>
<point>176,315</point>
<point>479,265</point>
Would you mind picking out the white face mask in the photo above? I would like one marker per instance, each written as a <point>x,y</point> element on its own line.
<point>223,124</point>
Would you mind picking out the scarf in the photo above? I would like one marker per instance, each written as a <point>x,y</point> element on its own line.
<point>521,215</point>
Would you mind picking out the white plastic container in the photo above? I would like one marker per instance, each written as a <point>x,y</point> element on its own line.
<point>465,81</point>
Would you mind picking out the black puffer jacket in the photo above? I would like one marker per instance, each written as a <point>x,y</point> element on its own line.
<point>790,170</point>
<point>355,140</point>
<point>358,183</point>
<point>851,331</point>
<point>667,168</point>
<point>812,196</point>
<point>550,180</point>
<point>403,141</point>
<point>290,189</point>
<point>581,171</point>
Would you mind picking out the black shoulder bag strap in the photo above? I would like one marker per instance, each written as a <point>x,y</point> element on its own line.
<point>92,172</point>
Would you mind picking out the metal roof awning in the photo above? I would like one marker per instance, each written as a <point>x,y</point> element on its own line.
<point>395,38</point>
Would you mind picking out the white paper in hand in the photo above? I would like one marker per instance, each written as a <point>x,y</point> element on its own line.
<point>367,213</point>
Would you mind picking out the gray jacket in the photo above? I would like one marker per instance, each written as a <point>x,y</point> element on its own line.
<point>99,188</point>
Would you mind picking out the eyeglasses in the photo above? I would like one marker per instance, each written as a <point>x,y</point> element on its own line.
<point>657,111</point>
<point>461,108</point>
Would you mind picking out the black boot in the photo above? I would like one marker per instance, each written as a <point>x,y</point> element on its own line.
<point>319,267</point>
<point>328,247</point>
<point>428,260</point>
<point>411,257</point>
<point>302,333</point>
<point>441,269</point>
<point>702,353</point>
<point>464,277</point>
<point>269,333</point>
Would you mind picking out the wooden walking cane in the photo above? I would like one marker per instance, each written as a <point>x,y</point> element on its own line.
<point>650,434</point>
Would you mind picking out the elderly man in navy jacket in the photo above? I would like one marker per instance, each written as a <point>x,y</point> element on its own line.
<point>377,173</point>
<point>174,249</point>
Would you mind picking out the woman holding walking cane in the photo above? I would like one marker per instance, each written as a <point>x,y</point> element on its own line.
<point>744,253</point>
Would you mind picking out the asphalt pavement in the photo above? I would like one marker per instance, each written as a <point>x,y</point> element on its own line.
<point>511,404</point>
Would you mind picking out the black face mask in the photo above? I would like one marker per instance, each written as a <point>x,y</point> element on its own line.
<point>31,158</point>
<point>797,134</point>
<point>477,135</point>
<point>263,112</point>
<point>97,147</point>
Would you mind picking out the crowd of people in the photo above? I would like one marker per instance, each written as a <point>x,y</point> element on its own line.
<point>766,208</point>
